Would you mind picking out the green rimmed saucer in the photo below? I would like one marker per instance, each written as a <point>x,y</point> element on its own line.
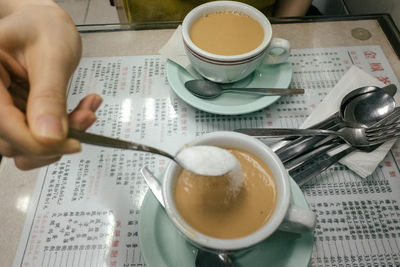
<point>267,76</point>
<point>163,246</point>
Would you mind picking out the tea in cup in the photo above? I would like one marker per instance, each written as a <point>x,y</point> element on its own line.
<point>221,206</point>
<point>213,216</point>
<point>225,41</point>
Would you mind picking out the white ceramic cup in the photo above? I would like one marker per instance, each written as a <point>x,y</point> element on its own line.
<point>286,215</point>
<point>227,69</point>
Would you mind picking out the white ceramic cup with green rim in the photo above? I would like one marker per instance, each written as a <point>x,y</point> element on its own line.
<point>286,215</point>
<point>227,69</point>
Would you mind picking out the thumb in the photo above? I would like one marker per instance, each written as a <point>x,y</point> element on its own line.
<point>46,107</point>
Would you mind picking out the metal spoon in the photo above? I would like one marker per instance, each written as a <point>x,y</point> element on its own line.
<point>203,257</point>
<point>327,146</point>
<point>302,173</point>
<point>302,176</point>
<point>209,259</point>
<point>360,112</point>
<point>356,137</point>
<point>208,89</point>
<point>335,119</point>
<point>381,105</point>
<point>367,109</point>
<point>364,110</point>
<point>301,145</point>
<point>390,89</point>
<point>206,157</point>
<point>287,147</point>
<point>355,113</point>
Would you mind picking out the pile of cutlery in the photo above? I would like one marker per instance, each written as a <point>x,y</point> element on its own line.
<point>304,152</point>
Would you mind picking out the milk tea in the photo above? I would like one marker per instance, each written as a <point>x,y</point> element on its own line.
<point>208,204</point>
<point>227,33</point>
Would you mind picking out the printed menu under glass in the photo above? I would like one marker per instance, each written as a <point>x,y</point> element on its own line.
<point>85,208</point>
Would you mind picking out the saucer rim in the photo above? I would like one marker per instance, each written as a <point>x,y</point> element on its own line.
<point>297,197</point>
<point>174,71</point>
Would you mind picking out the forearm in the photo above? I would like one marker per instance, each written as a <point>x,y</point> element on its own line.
<point>291,8</point>
<point>8,7</point>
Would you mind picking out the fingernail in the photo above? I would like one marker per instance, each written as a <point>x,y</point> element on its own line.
<point>72,146</point>
<point>87,123</point>
<point>50,126</point>
<point>96,103</point>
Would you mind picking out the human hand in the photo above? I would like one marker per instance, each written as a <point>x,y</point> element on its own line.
<point>39,50</point>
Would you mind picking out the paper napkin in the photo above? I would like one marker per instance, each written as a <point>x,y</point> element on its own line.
<point>174,50</point>
<point>362,163</point>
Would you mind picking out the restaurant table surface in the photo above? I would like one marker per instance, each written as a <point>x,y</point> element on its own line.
<point>16,187</point>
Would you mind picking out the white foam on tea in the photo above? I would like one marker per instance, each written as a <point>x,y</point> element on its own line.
<point>212,161</point>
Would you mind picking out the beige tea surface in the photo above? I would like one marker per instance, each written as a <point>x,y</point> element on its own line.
<point>208,205</point>
<point>227,33</point>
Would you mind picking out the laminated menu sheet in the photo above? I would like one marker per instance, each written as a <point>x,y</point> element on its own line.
<point>85,208</point>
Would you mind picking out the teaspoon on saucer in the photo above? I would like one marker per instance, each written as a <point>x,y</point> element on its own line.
<point>208,89</point>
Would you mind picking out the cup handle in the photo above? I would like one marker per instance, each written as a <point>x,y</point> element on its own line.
<point>298,220</point>
<point>278,51</point>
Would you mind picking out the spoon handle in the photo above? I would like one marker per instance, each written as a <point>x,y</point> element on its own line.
<point>100,140</point>
<point>153,183</point>
<point>266,91</point>
<point>287,149</point>
<point>284,132</point>
<point>302,176</point>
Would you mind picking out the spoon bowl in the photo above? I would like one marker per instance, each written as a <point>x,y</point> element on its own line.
<point>209,259</point>
<point>367,109</point>
<point>390,89</point>
<point>207,89</point>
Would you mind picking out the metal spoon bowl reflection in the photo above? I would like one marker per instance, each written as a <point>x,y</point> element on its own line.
<point>203,257</point>
<point>390,89</point>
<point>207,89</point>
<point>367,109</point>
<point>209,259</point>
